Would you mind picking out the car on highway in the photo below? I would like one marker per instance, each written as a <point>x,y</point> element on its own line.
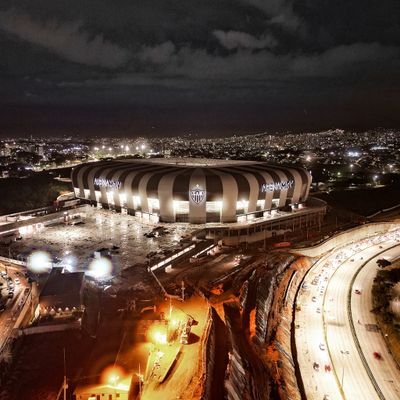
<point>357,291</point>
<point>326,397</point>
<point>315,366</point>
<point>17,281</point>
<point>318,310</point>
<point>377,355</point>
<point>321,346</point>
<point>314,298</point>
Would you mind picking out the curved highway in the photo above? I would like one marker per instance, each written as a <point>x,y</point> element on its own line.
<point>371,341</point>
<point>336,334</point>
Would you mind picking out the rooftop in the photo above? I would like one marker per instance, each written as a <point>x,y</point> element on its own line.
<point>190,162</point>
<point>62,289</point>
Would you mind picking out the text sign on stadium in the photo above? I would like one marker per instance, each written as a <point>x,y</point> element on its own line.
<point>107,183</point>
<point>197,194</point>
<point>270,187</point>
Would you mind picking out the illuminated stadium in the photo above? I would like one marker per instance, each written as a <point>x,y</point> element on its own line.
<point>191,190</point>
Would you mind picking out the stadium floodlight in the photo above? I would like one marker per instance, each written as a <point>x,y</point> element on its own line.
<point>100,268</point>
<point>39,262</point>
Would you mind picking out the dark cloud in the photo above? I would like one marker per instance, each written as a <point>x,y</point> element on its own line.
<point>68,40</point>
<point>280,12</point>
<point>241,40</point>
<point>175,54</point>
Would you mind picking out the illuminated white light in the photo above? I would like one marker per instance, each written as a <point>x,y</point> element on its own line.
<point>122,199</point>
<point>154,204</point>
<point>107,183</point>
<point>110,198</point>
<point>39,261</point>
<point>272,186</point>
<point>24,230</point>
<point>213,206</point>
<point>100,268</point>
<point>181,207</point>
<point>242,205</point>
<point>70,262</point>
<point>353,154</point>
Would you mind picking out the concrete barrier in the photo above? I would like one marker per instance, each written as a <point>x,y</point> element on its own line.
<point>207,357</point>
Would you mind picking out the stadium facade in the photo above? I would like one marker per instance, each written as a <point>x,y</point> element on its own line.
<point>191,190</point>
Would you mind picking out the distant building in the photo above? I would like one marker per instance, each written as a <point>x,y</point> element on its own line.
<point>62,295</point>
<point>121,390</point>
<point>191,190</point>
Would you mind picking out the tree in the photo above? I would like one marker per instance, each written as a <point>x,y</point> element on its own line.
<point>382,263</point>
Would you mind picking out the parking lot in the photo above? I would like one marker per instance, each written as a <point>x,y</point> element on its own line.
<point>73,246</point>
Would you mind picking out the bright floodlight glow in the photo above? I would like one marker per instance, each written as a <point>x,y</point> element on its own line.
<point>100,268</point>
<point>70,262</point>
<point>39,261</point>
<point>160,338</point>
<point>158,335</point>
<point>112,374</point>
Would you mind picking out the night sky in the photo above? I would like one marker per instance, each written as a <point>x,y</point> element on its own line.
<point>212,67</point>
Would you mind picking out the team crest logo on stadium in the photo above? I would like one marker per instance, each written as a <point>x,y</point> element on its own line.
<point>197,194</point>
